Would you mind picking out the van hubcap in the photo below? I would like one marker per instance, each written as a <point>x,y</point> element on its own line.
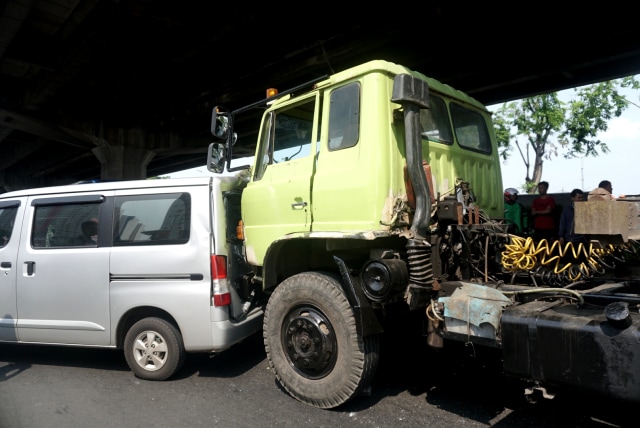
<point>150,350</point>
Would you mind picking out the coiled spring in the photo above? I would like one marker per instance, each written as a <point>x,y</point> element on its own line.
<point>569,262</point>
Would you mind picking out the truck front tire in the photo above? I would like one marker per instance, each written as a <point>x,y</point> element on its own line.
<point>312,343</point>
<point>153,349</point>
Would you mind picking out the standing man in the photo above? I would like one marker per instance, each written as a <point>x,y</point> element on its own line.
<point>567,223</point>
<point>602,193</point>
<point>542,211</point>
<point>514,212</point>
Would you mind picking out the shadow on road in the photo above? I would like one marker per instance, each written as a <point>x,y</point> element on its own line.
<point>230,363</point>
<point>19,357</point>
<point>466,380</point>
<point>12,370</point>
<point>233,362</point>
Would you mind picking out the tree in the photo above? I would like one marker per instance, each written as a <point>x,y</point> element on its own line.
<point>551,126</point>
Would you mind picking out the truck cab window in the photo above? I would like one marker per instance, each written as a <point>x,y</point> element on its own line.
<point>263,157</point>
<point>287,134</point>
<point>344,117</point>
<point>434,122</point>
<point>470,128</point>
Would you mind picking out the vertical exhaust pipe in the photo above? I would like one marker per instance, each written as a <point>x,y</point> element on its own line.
<point>413,94</point>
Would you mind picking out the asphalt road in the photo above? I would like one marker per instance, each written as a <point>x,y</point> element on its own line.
<point>72,387</point>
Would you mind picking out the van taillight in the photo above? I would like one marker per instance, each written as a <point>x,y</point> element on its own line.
<point>218,267</point>
<point>219,285</point>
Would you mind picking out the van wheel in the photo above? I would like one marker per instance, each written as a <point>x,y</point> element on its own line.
<point>312,343</point>
<point>153,349</point>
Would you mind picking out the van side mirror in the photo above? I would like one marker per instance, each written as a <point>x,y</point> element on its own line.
<point>216,158</point>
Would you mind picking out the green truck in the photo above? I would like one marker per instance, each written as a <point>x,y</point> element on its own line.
<point>377,191</point>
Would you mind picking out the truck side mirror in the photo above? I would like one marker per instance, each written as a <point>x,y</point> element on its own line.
<point>220,124</point>
<point>216,158</point>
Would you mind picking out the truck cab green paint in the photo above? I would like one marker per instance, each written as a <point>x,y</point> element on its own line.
<point>331,161</point>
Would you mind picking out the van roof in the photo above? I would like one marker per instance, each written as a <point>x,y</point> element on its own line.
<point>118,185</point>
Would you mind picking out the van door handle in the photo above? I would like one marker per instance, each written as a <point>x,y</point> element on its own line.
<point>298,205</point>
<point>30,267</point>
<point>5,265</point>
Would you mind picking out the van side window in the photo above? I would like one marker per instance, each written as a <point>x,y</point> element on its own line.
<point>61,225</point>
<point>8,211</point>
<point>152,219</point>
<point>344,117</point>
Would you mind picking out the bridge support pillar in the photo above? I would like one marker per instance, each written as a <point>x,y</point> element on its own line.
<point>123,162</point>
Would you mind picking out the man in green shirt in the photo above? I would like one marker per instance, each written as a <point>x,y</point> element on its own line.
<point>514,212</point>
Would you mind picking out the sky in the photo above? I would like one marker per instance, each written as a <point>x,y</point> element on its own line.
<point>620,166</point>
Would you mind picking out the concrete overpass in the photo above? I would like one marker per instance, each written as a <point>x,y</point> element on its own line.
<point>118,89</point>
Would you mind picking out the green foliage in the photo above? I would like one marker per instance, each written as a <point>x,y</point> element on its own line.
<point>590,114</point>
<point>551,127</point>
<point>503,133</point>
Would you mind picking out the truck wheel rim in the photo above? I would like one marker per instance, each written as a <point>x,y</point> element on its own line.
<point>309,342</point>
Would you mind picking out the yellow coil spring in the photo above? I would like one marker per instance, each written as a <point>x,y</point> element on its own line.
<point>579,261</point>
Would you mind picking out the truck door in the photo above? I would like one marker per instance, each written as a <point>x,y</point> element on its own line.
<point>348,177</point>
<point>9,241</point>
<point>277,200</point>
<point>63,271</point>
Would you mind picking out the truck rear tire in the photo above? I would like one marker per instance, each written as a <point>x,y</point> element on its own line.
<point>312,343</point>
<point>153,349</point>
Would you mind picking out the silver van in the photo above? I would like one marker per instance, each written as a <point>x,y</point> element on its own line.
<point>152,267</point>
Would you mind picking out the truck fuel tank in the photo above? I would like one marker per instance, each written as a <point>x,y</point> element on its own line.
<point>587,348</point>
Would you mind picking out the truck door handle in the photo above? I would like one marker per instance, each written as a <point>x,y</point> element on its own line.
<point>5,265</point>
<point>298,205</point>
<point>30,266</point>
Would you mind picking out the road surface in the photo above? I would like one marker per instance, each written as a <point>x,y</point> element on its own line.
<point>49,387</point>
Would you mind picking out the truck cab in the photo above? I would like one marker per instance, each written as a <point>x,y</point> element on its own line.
<point>331,165</point>
<point>338,211</point>
<point>376,192</point>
